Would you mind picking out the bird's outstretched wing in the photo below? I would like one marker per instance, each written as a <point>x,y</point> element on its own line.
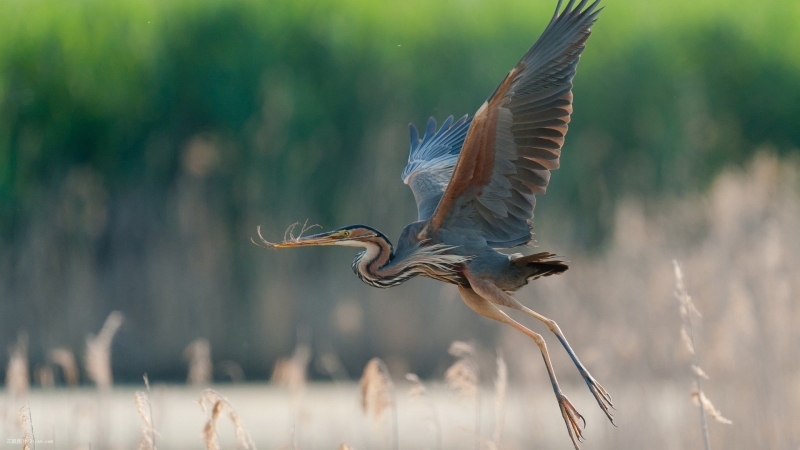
<point>516,137</point>
<point>431,161</point>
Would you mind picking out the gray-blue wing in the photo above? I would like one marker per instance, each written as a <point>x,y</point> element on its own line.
<point>516,136</point>
<point>431,161</point>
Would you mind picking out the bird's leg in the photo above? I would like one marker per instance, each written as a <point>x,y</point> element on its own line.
<point>494,294</point>
<point>485,308</point>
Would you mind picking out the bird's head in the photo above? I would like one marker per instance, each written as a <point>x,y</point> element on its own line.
<point>351,235</point>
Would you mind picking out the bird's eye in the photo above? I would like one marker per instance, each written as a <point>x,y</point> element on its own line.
<point>346,233</point>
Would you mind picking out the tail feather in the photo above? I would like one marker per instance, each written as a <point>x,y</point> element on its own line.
<point>539,265</point>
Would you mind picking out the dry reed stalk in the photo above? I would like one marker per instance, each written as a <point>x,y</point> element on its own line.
<point>418,392</point>
<point>377,394</point>
<point>463,377</point>
<point>45,377</point>
<point>500,392</point>
<point>214,405</point>
<point>198,353</point>
<point>686,310</point>
<point>145,410</point>
<point>699,398</point>
<point>65,359</point>
<point>292,372</point>
<point>98,352</point>
<point>329,363</point>
<point>233,370</point>
<point>210,438</point>
<point>17,373</point>
<point>463,374</point>
<point>26,424</point>
<point>699,372</point>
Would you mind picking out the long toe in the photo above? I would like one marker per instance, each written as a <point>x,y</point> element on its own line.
<point>602,396</point>
<point>571,418</point>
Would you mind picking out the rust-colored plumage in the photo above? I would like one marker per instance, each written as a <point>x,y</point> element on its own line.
<point>476,162</point>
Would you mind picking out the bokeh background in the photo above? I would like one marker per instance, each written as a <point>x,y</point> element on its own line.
<point>142,142</point>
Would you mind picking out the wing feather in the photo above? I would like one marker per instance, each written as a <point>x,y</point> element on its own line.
<point>516,136</point>
<point>431,161</point>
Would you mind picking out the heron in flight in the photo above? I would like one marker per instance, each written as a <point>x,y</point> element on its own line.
<point>475,183</point>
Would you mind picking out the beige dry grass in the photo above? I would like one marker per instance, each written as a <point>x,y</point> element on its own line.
<point>70,418</point>
<point>233,370</point>
<point>740,251</point>
<point>198,353</point>
<point>145,410</point>
<point>97,360</point>
<point>64,358</point>
<point>44,377</point>
<point>500,392</point>
<point>210,438</point>
<point>740,254</point>
<point>378,396</point>
<point>17,371</point>
<point>26,425</point>
<point>214,405</point>
<point>687,309</point>
<point>418,392</point>
<point>377,389</point>
<point>292,372</point>
<point>462,375</point>
<point>699,398</point>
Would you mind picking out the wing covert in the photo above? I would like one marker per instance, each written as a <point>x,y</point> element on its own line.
<point>516,137</point>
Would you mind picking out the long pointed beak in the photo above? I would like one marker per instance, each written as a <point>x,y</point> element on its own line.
<point>329,238</point>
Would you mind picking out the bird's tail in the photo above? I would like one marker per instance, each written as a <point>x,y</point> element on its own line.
<point>539,265</point>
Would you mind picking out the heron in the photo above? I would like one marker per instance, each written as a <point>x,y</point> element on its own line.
<point>475,182</point>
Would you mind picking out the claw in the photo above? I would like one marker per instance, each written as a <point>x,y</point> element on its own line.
<point>571,416</point>
<point>602,396</point>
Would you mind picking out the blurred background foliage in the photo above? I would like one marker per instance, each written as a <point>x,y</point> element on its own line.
<point>142,142</point>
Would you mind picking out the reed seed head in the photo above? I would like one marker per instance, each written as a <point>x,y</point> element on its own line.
<point>64,358</point>
<point>17,373</point>
<point>98,352</point>
<point>214,405</point>
<point>26,425</point>
<point>377,389</point>
<point>699,398</point>
<point>463,374</point>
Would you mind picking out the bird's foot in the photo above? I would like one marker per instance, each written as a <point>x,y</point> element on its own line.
<point>602,396</point>
<point>571,417</point>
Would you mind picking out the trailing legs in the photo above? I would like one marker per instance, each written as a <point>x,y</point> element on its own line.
<point>485,308</point>
<point>492,293</point>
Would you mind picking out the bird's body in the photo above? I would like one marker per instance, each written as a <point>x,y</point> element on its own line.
<point>442,258</point>
<point>474,182</point>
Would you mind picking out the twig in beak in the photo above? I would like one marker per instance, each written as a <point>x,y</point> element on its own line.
<point>290,231</point>
<point>288,235</point>
<point>305,228</point>
<point>267,244</point>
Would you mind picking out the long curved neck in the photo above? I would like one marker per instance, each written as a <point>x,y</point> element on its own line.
<point>377,265</point>
<point>370,265</point>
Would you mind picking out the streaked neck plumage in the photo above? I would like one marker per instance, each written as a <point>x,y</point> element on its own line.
<point>370,265</point>
<point>378,266</point>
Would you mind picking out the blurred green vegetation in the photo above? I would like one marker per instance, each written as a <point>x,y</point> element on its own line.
<point>141,141</point>
<point>667,93</point>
